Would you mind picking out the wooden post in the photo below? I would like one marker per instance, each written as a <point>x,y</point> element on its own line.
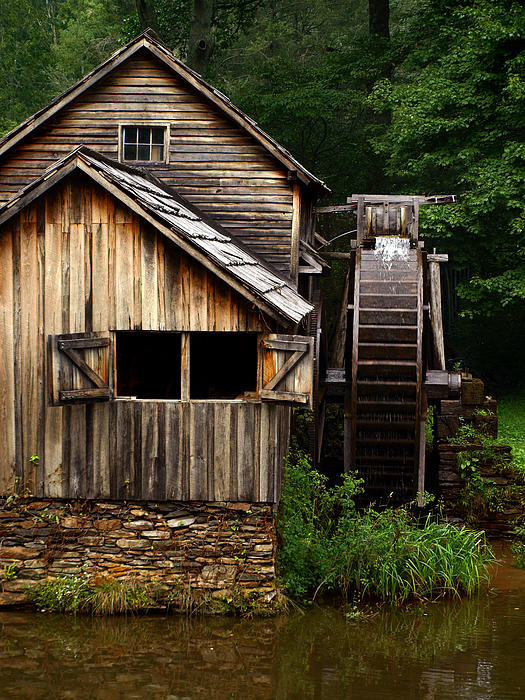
<point>296,223</point>
<point>436,318</point>
<point>360,219</point>
<point>185,367</point>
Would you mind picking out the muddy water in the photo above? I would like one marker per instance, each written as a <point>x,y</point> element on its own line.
<point>457,649</point>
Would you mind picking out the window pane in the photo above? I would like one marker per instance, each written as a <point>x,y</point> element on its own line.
<point>148,364</point>
<point>157,135</point>
<point>144,134</point>
<point>157,153</point>
<point>130,134</point>
<point>143,153</point>
<point>130,153</point>
<point>222,365</point>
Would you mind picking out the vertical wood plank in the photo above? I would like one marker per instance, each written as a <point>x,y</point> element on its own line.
<point>233,491</point>
<point>265,451</point>
<point>160,466</point>
<point>100,278</point>
<point>138,466</point>
<point>30,387</point>
<point>296,233</point>
<point>76,278</point>
<point>174,485</point>
<point>124,274</point>
<point>112,266</point>
<point>101,444</point>
<point>53,324</point>
<point>172,288</point>
<point>198,451</point>
<point>245,452</point>
<point>184,449</point>
<point>149,448</point>
<point>7,377</point>
<point>185,296</point>
<point>210,456</point>
<point>210,296</point>
<point>113,446</point>
<point>162,290</point>
<point>77,452</point>
<point>199,302</point>
<point>149,279</point>
<point>136,232</point>
<point>221,432</point>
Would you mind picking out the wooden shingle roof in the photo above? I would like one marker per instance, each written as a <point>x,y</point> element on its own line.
<point>150,41</point>
<point>181,222</point>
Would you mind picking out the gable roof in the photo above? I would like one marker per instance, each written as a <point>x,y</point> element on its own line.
<point>182,223</point>
<point>150,41</point>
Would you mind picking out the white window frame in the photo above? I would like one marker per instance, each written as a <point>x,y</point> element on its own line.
<point>150,125</point>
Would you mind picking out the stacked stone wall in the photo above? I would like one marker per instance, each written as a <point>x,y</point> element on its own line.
<point>498,524</point>
<point>212,548</point>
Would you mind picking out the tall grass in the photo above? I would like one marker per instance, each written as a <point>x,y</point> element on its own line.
<point>328,544</point>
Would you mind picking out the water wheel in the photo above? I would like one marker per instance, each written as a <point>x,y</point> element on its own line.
<point>389,359</point>
<point>385,402</point>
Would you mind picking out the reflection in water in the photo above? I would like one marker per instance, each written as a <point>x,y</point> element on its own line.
<point>456,649</point>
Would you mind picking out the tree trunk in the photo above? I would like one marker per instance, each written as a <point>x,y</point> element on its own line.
<point>379,18</point>
<point>147,14</point>
<point>201,41</point>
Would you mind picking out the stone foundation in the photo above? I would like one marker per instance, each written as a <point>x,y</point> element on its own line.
<point>210,547</point>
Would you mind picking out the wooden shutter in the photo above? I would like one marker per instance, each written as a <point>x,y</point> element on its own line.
<point>79,368</point>
<point>288,366</point>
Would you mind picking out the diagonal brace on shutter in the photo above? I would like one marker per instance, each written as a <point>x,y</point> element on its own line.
<point>70,347</point>
<point>301,349</point>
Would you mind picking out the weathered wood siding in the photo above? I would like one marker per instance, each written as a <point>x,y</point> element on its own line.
<point>212,161</point>
<point>77,261</point>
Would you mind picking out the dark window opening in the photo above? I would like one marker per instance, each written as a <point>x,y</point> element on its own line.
<point>145,143</point>
<point>148,364</point>
<point>222,365</point>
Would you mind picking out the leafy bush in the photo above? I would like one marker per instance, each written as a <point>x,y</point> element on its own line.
<point>327,543</point>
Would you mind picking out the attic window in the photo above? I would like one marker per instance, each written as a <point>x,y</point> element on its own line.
<point>144,143</point>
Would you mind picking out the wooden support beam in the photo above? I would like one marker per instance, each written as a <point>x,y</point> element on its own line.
<point>337,209</point>
<point>337,256</point>
<point>436,318</point>
<point>402,199</point>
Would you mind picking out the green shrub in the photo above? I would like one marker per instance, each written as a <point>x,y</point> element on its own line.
<point>327,543</point>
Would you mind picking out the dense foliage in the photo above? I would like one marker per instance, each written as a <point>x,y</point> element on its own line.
<point>328,544</point>
<point>438,106</point>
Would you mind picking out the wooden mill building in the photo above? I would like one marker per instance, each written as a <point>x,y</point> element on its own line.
<point>152,243</point>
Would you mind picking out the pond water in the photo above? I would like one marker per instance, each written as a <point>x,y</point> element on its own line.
<point>455,649</point>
